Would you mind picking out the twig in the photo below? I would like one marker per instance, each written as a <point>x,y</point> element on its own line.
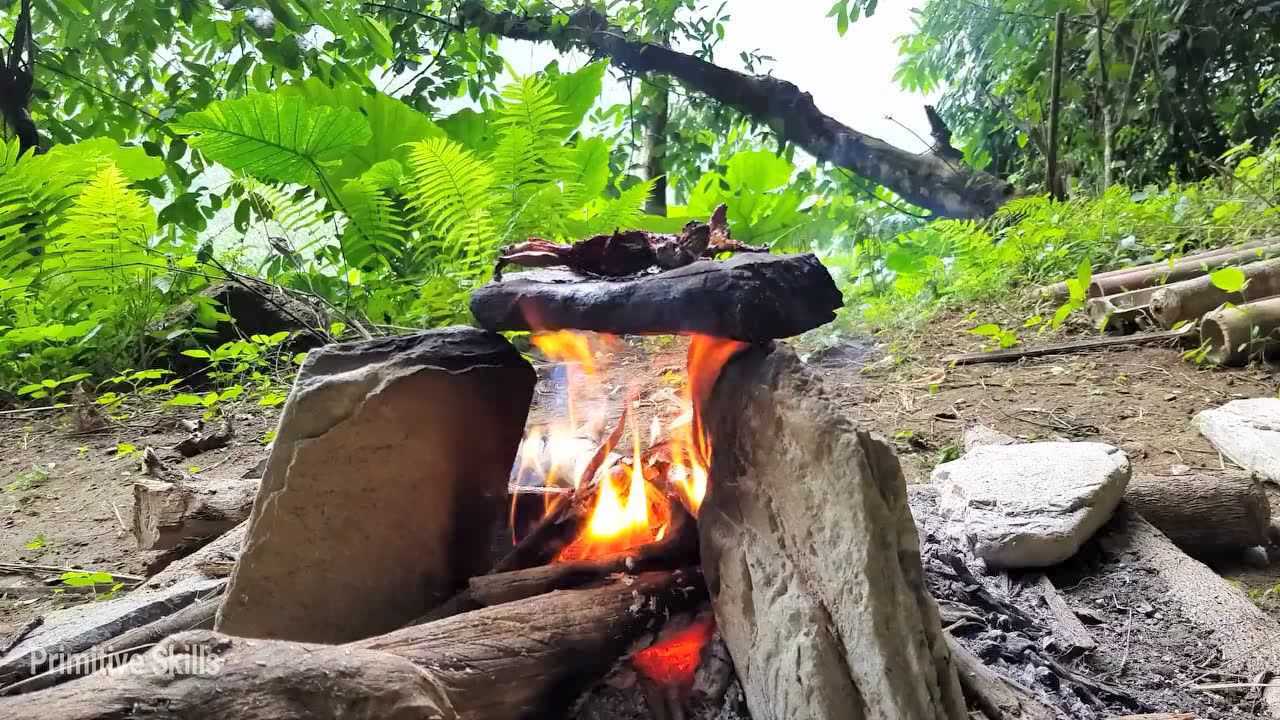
<point>59,406</point>
<point>120,519</point>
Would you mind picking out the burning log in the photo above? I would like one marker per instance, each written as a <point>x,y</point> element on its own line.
<point>812,557</point>
<point>386,482</point>
<point>1204,514</point>
<point>752,297</point>
<point>167,515</point>
<point>508,662</point>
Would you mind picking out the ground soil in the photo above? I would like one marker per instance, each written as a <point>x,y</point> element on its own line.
<point>66,496</point>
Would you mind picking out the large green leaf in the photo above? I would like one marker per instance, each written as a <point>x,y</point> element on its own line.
<point>578,91</point>
<point>393,124</point>
<point>471,129</point>
<point>758,171</point>
<point>275,136</point>
<point>133,162</point>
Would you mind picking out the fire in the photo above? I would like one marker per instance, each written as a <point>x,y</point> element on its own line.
<point>631,506</point>
<point>673,660</point>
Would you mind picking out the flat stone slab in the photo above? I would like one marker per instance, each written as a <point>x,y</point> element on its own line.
<point>1031,504</point>
<point>751,297</point>
<point>1248,432</point>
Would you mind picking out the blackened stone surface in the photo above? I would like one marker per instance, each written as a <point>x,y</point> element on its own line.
<point>751,297</point>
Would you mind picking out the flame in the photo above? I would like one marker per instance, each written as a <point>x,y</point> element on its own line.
<point>673,660</point>
<point>631,507</point>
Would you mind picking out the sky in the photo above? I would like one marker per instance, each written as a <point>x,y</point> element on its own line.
<point>850,77</point>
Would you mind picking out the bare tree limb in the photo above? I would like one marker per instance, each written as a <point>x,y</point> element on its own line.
<point>945,188</point>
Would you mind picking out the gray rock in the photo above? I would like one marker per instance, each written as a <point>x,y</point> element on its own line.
<point>979,435</point>
<point>385,482</point>
<point>1248,432</point>
<point>1032,504</point>
<point>751,297</point>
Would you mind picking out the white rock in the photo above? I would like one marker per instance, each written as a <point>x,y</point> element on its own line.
<point>1031,504</point>
<point>1248,432</point>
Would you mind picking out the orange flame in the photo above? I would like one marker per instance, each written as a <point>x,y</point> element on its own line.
<point>673,660</point>
<point>631,508</point>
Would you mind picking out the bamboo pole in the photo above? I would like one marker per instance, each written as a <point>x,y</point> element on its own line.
<point>1235,333</point>
<point>1190,299</point>
<point>1055,98</point>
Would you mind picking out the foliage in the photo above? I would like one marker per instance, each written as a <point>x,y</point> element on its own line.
<point>1174,83</point>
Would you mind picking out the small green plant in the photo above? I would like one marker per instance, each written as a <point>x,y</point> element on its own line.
<point>28,480</point>
<point>94,580</point>
<point>50,388</point>
<point>1001,337</point>
<point>253,366</point>
<point>37,542</point>
<point>124,450</point>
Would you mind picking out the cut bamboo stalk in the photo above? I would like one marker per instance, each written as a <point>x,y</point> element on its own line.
<point>1183,268</point>
<point>1059,291</point>
<point>1121,313</point>
<point>1190,299</point>
<point>1236,333</point>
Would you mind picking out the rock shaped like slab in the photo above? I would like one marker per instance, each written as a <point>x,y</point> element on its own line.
<point>384,485</point>
<point>1248,432</point>
<point>751,297</point>
<point>1031,504</point>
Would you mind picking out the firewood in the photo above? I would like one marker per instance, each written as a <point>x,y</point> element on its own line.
<point>996,697</point>
<point>1208,601</point>
<point>204,439</point>
<point>1066,626</point>
<point>167,515</point>
<point>1183,268</point>
<point>1059,291</point>
<point>196,616</point>
<point>1204,514</point>
<point>508,662</point>
<point>1190,299</point>
<point>1236,334</point>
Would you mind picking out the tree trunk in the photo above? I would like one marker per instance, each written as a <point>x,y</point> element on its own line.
<point>655,142</point>
<point>508,662</point>
<point>943,186</point>
<point>1204,514</point>
<point>167,515</point>
<point>812,556</point>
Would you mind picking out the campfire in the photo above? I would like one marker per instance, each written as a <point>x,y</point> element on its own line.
<point>701,538</point>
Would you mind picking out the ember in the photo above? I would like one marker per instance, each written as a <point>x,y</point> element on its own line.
<point>673,660</point>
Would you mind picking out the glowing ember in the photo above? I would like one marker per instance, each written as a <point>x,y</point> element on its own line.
<point>673,660</point>
<point>631,503</point>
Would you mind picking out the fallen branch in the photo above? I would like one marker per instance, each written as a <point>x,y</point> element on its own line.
<point>939,184</point>
<point>1065,348</point>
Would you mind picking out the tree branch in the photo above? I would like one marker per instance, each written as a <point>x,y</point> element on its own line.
<point>925,180</point>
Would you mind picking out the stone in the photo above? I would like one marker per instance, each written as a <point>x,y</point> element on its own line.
<point>385,483</point>
<point>751,297</point>
<point>1032,504</point>
<point>979,435</point>
<point>1247,432</point>
<point>812,558</point>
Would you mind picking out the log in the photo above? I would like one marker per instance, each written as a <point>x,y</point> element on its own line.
<point>1236,334</point>
<point>204,439</point>
<point>1074,637</point>
<point>196,616</point>
<point>1190,299</point>
<point>995,696</point>
<point>77,629</point>
<point>812,557</point>
<point>509,662</point>
<point>1183,268</point>
<point>1059,291</point>
<point>751,297</point>
<point>1210,603</point>
<point>167,515</point>
<point>1204,514</point>
<point>386,483</point>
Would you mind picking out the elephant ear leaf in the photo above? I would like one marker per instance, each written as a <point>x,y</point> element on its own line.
<point>273,136</point>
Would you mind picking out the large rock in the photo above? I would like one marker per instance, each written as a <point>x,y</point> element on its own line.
<point>1248,432</point>
<point>751,297</point>
<point>1033,504</point>
<point>385,481</point>
<point>812,557</point>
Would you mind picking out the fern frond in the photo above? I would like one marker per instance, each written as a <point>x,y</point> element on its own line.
<point>449,195</point>
<point>374,228</point>
<point>624,211</point>
<point>530,103</point>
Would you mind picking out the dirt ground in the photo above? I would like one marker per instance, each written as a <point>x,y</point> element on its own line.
<point>66,498</point>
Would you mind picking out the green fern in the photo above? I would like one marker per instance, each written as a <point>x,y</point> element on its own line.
<point>105,233</point>
<point>449,194</point>
<point>374,227</point>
